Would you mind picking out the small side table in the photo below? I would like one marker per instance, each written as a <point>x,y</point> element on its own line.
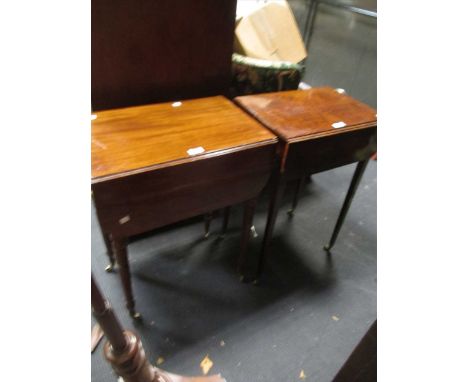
<point>319,129</point>
<point>157,164</point>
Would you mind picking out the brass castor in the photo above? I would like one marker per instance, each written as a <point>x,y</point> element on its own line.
<point>327,247</point>
<point>110,268</point>
<point>136,316</point>
<point>253,232</point>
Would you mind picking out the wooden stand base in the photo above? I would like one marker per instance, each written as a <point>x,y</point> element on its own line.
<point>132,365</point>
<point>124,350</point>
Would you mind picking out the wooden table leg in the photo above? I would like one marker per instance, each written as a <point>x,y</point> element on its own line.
<point>110,253</point>
<point>249,210</point>
<point>299,185</point>
<point>360,168</point>
<point>107,237</point>
<point>120,250</point>
<point>226,213</point>
<point>275,199</point>
<point>208,217</point>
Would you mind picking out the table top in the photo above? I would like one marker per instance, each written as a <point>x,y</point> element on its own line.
<point>301,114</point>
<point>145,137</point>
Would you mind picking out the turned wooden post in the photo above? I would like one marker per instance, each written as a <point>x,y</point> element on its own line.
<point>124,350</point>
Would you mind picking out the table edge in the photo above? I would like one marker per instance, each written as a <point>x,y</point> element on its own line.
<point>176,162</point>
<point>365,125</point>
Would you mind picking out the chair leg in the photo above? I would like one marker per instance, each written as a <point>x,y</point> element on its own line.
<point>360,168</point>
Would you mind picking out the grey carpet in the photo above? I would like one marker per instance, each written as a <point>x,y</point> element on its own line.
<point>308,314</point>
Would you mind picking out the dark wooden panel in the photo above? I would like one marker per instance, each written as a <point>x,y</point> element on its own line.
<point>137,203</point>
<point>324,153</point>
<point>146,51</point>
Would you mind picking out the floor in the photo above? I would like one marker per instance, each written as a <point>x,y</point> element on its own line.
<point>342,51</point>
<point>311,309</point>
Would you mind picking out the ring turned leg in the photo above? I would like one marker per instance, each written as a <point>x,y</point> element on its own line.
<point>110,253</point>
<point>249,210</point>
<point>226,213</point>
<point>299,185</point>
<point>360,168</point>
<point>275,199</point>
<point>120,247</point>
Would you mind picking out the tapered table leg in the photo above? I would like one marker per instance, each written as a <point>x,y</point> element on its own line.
<point>107,237</point>
<point>249,210</point>
<point>208,217</point>
<point>110,253</point>
<point>360,168</point>
<point>299,185</point>
<point>120,248</point>
<point>275,199</point>
<point>226,213</point>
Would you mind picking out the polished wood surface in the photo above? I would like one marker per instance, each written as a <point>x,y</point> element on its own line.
<point>147,51</point>
<point>305,113</point>
<point>140,137</point>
